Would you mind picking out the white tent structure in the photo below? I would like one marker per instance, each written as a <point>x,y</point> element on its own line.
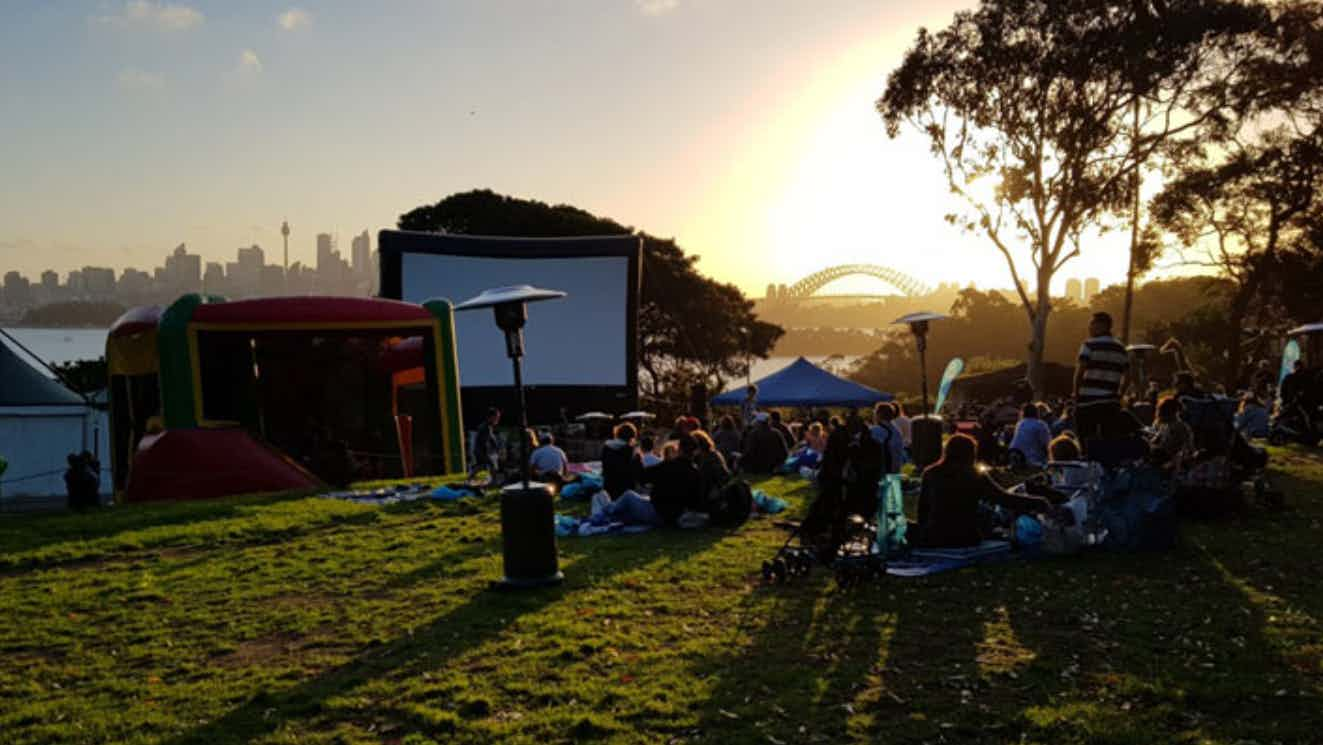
<point>41,423</point>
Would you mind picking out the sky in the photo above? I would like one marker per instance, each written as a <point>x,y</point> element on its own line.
<point>745,129</point>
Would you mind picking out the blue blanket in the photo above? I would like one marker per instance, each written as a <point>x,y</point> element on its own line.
<point>923,562</point>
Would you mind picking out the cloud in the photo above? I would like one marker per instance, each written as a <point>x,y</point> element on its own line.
<point>249,62</point>
<point>656,7</point>
<point>154,14</point>
<point>133,79</point>
<point>294,18</point>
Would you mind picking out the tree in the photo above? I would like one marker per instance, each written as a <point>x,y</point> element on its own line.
<point>692,329</point>
<point>1248,199</point>
<point>1242,214</point>
<point>1037,99</point>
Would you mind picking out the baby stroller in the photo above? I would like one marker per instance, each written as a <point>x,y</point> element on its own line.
<point>840,538</point>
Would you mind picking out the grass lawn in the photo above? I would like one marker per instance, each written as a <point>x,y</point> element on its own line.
<point>306,620</point>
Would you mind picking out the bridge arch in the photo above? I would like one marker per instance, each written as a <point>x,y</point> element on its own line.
<point>809,286</point>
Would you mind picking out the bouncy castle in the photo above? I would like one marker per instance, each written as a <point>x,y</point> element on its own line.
<point>211,398</point>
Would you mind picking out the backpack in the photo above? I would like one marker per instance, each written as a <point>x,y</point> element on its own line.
<point>730,505</point>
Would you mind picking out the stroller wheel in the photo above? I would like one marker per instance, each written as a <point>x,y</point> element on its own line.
<point>767,571</point>
<point>779,570</point>
<point>1276,438</point>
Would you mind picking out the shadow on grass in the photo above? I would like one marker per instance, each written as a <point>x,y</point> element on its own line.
<point>29,532</point>
<point>477,620</point>
<point>1218,640</point>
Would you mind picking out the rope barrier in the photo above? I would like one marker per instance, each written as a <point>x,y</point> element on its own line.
<point>34,476</point>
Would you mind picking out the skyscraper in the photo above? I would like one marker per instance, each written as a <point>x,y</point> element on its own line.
<point>1091,286</point>
<point>1074,290</point>
<point>325,251</point>
<point>183,271</point>
<point>361,254</point>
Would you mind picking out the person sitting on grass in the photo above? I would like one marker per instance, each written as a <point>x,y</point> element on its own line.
<point>548,462</point>
<point>1172,439</point>
<point>1252,417</point>
<point>1032,437</point>
<point>1063,449</point>
<point>713,473</point>
<point>621,463</point>
<point>727,439</point>
<point>648,451</point>
<point>951,493</point>
<point>764,449</point>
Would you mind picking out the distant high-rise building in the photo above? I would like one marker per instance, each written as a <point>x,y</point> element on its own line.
<point>74,282</point>
<point>183,271</point>
<point>1074,290</point>
<point>99,281</point>
<point>1091,286</point>
<point>325,251</point>
<point>18,290</point>
<point>133,284</point>
<point>771,291</point>
<point>361,254</point>
<point>50,286</point>
<point>213,278</point>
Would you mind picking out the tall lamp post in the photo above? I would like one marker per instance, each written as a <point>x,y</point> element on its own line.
<point>926,432</point>
<point>528,535</point>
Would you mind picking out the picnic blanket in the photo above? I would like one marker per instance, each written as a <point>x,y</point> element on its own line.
<point>568,526</point>
<point>923,562</point>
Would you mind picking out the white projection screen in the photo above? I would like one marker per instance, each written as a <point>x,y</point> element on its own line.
<point>580,351</point>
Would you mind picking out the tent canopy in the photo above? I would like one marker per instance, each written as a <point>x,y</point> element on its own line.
<point>801,384</point>
<point>24,385</point>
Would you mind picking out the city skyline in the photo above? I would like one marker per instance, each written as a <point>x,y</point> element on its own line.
<point>608,105</point>
<point>250,274</point>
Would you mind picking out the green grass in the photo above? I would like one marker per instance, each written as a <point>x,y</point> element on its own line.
<point>304,620</point>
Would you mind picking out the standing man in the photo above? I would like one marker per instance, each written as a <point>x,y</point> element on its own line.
<point>487,446</point>
<point>1099,379</point>
<point>749,409</point>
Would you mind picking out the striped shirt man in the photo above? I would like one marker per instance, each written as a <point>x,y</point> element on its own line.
<point>1104,363</point>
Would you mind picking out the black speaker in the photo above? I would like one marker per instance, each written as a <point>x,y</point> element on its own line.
<point>926,440</point>
<point>528,537</point>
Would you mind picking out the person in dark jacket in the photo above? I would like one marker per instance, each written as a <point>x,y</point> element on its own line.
<point>675,482</point>
<point>727,439</point>
<point>822,526</point>
<point>950,495</point>
<point>782,429</point>
<point>864,469</point>
<point>713,472</point>
<point>487,445</point>
<point>764,448</point>
<point>622,465</point>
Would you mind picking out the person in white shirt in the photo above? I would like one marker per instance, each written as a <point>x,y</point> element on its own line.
<point>547,461</point>
<point>902,423</point>
<point>1032,436</point>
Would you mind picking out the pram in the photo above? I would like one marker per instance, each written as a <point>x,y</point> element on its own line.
<point>854,548</point>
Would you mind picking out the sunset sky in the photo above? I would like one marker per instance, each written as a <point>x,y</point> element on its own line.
<point>744,129</point>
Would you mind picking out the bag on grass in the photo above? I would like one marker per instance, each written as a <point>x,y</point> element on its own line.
<point>730,505</point>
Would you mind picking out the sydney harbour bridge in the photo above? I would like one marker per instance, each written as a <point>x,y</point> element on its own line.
<point>810,285</point>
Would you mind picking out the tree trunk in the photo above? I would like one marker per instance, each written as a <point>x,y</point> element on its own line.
<point>1038,341</point>
<point>1236,315</point>
<point>1134,237</point>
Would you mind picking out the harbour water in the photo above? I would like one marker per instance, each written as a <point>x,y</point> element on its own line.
<point>61,345</point>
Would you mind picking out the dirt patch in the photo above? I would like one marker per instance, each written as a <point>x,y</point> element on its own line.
<point>261,651</point>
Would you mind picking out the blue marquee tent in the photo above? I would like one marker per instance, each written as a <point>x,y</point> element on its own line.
<point>804,384</point>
